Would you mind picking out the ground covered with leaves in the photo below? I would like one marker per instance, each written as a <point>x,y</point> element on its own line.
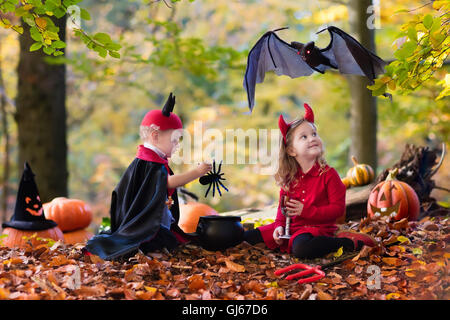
<point>416,267</point>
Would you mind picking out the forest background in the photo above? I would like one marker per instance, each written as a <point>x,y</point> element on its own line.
<point>198,50</point>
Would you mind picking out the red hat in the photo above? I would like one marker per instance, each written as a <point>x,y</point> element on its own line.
<point>165,119</point>
<point>284,127</point>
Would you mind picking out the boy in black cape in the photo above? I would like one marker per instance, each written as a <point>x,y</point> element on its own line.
<point>144,205</point>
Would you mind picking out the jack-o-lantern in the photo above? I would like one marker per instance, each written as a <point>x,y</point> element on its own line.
<point>191,212</point>
<point>393,198</point>
<point>28,218</point>
<point>17,238</point>
<point>360,174</point>
<point>69,214</point>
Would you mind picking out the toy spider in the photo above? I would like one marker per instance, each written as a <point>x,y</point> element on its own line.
<point>213,179</point>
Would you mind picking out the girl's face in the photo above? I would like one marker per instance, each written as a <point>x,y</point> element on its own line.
<point>168,141</point>
<point>305,142</point>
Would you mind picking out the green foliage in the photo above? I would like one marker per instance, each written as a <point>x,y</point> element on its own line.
<point>105,225</point>
<point>424,44</point>
<point>38,15</point>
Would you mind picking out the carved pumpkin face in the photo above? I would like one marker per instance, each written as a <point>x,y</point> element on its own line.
<point>33,205</point>
<point>385,206</point>
<point>393,198</point>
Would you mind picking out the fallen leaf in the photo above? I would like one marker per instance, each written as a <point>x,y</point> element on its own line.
<point>95,259</point>
<point>173,293</point>
<point>403,239</point>
<point>234,266</point>
<point>196,283</point>
<point>321,295</point>
<point>206,295</point>
<point>97,290</point>
<point>339,252</point>
<point>352,280</point>
<point>141,295</point>
<point>393,261</point>
<point>393,295</point>
<point>4,293</point>
<point>401,225</point>
<point>307,292</point>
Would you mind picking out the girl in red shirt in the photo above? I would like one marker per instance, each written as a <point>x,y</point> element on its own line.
<point>316,197</point>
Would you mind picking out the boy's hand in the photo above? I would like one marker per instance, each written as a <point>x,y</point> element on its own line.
<point>279,231</point>
<point>294,207</point>
<point>203,168</point>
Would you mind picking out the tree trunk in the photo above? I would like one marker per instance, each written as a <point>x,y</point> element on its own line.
<point>6,154</point>
<point>41,117</point>
<point>363,110</point>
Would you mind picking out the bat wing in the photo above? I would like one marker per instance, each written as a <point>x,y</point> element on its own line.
<point>271,53</point>
<point>350,56</point>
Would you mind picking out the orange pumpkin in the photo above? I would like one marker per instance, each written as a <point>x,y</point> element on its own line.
<point>191,212</point>
<point>360,174</point>
<point>69,214</point>
<point>393,198</point>
<point>15,238</point>
<point>77,236</point>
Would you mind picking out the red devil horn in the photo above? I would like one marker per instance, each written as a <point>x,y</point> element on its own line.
<point>309,114</point>
<point>284,127</point>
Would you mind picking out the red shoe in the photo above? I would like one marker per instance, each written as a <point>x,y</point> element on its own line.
<point>356,237</point>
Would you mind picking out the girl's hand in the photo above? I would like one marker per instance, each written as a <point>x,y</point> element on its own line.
<point>294,207</point>
<point>279,231</point>
<point>203,168</point>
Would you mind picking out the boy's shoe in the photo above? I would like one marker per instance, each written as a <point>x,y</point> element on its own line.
<point>359,239</point>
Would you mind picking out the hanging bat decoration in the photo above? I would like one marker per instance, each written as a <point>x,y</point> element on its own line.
<point>213,179</point>
<point>296,59</point>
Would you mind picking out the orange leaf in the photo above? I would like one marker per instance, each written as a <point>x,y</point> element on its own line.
<point>97,290</point>
<point>60,260</point>
<point>4,293</point>
<point>41,22</point>
<point>95,259</point>
<point>410,274</point>
<point>323,295</point>
<point>393,261</point>
<point>352,280</point>
<point>130,295</point>
<point>234,266</point>
<point>401,225</point>
<point>196,283</point>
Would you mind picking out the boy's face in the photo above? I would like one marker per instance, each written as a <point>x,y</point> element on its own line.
<point>168,140</point>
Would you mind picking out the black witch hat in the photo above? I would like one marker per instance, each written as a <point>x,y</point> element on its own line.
<point>28,213</point>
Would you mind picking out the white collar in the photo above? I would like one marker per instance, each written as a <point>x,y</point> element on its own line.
<point>155,149</point>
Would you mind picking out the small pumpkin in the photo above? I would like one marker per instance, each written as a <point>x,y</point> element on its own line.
<point>191,212</point>
<point>77,236</point>
<point>346,182</point>
<point>360,174</point>
<point>393,198</point>
<point>69,214</point>
<point>16,237</point>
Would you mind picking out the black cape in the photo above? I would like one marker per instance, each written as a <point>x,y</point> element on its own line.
<point>137,207</point>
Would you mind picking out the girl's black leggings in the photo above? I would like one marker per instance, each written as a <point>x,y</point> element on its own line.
<point>307,246</point>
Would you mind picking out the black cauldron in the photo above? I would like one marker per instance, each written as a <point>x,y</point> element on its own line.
<point>218,232</point>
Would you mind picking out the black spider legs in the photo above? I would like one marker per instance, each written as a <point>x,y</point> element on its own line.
<point>206,194</point>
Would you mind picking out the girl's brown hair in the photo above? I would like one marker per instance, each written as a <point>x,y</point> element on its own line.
<point>288,167</point>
